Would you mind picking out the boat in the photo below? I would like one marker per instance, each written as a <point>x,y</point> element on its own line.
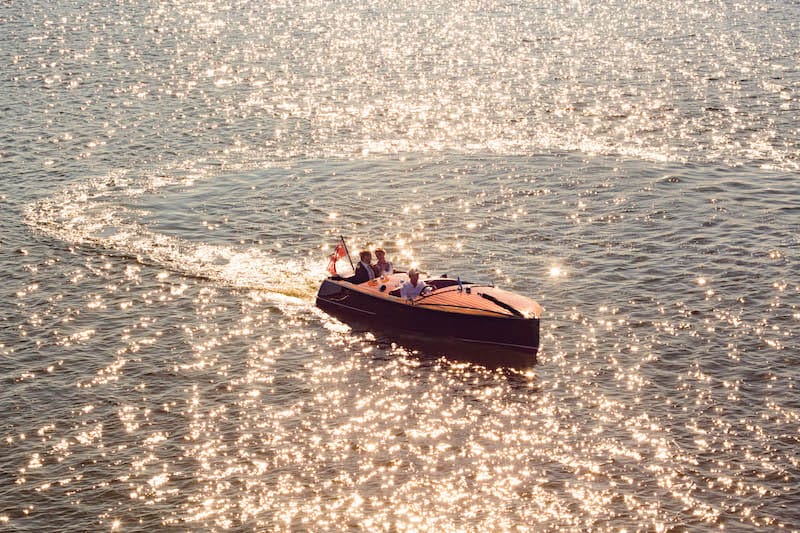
<point>478,317</point>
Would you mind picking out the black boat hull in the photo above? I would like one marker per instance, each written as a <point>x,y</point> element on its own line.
<point>516,339</point>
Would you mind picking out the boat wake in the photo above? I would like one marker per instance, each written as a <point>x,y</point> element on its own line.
<point>98,213</point>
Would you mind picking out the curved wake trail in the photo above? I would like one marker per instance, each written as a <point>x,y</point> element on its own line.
<point>91,213</point>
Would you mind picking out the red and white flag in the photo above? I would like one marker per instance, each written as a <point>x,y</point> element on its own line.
<point>337,254</point>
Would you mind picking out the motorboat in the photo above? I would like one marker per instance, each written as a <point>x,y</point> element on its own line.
<point>476,316</point>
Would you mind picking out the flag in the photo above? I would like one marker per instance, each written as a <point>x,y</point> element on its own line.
<point>337,254</point>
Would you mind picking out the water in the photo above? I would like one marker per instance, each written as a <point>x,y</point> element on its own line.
<point>175,174</point>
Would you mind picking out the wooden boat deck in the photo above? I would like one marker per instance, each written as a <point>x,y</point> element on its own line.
<point>480,300</point>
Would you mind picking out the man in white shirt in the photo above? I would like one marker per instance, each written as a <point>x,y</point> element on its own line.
<point>413,287</point>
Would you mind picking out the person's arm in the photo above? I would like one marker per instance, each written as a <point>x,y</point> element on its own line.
<point>360,275</point>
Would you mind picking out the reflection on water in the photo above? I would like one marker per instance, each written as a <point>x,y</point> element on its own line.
<point>173,176</point>
<point>179,377</point>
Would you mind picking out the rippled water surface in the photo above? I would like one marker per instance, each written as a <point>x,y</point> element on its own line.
<point>174,174</point>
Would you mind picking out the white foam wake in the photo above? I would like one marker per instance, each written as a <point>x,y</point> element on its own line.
<point>92,213</point>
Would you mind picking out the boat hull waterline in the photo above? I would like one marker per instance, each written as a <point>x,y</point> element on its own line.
<point>480,315</point>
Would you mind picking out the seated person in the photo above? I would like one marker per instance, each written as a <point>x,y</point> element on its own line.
<point>382,267</point>
<point>413,287</point>
<point>364,270</point>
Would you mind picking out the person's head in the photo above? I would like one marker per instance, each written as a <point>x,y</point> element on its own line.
<point>366,256</point>
<point>413,275</point>
<point>380,253</point>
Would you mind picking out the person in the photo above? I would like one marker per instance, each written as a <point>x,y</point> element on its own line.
<point>413,287</point>
<point>365,271</point>
<point>382,266</point>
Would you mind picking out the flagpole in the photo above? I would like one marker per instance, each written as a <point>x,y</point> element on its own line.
<point>348,253</point>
